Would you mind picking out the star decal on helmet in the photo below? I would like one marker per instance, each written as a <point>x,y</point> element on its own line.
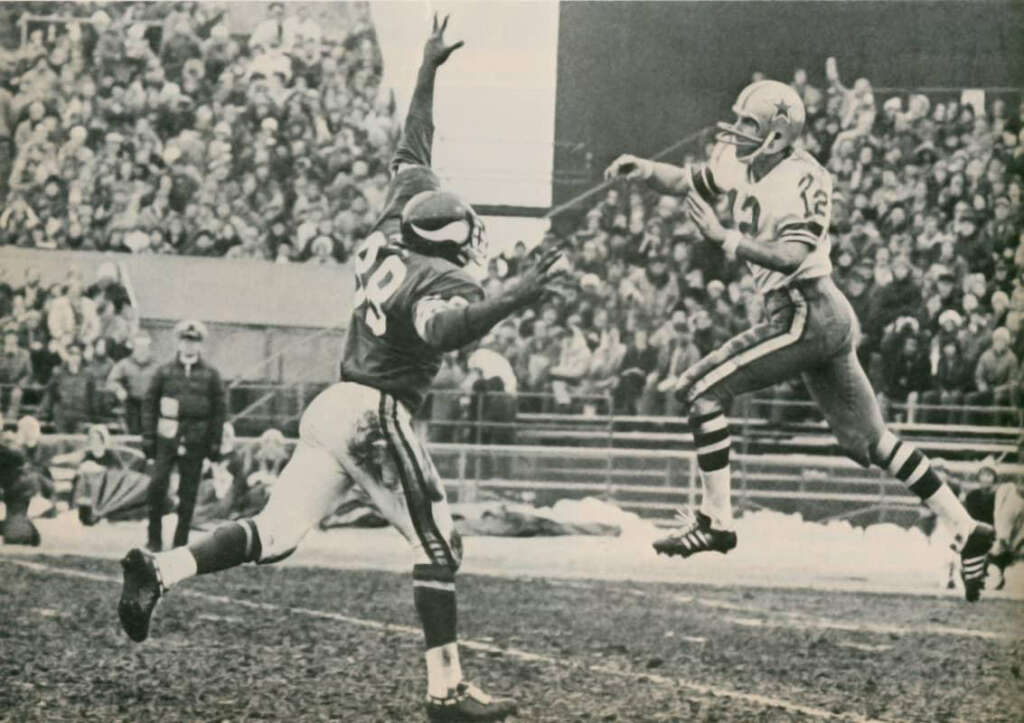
<point>782,109</point>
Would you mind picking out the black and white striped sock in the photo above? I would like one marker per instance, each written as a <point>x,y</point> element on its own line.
<point>907,464</point>
<point>712,440</point>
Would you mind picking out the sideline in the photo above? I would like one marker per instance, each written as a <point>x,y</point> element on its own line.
<point>517,653</point>
<point>768,618</point>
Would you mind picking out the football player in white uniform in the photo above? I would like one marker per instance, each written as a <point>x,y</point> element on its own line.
<point>780,199</point>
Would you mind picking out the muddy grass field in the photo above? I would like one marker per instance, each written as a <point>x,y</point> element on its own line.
<point>297,643</point>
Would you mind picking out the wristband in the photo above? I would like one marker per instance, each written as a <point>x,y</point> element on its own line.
<point>731,242</point>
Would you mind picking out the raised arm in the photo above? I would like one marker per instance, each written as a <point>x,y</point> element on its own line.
<point>414,147</point>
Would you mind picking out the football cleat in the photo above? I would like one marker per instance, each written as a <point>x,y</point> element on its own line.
<point>974,560</point>
<point>140,590</point>
<point>694,535</point>
<point>466,702</point>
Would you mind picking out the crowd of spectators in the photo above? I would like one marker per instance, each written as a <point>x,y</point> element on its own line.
<point>148,128</point>
<point>926,242</point>
<point>63,346</point>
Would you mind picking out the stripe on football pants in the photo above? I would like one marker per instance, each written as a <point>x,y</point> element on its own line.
<point>773,344</point>
<point>417,495</point>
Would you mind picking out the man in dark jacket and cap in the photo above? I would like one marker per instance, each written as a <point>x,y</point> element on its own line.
<point>182,420</point>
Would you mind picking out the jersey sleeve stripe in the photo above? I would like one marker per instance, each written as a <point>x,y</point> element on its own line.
<point>797,232</point>
<point>801,237</point>
<point>813,227</point>
<point>704,183</point>
<point>709,178</point>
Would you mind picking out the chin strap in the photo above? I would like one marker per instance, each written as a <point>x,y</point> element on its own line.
<point>761,149</point>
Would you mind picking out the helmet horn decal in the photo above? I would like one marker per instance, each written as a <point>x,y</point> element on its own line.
<point>457,231</point>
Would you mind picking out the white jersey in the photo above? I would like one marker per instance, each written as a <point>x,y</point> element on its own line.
<point>792,202</point>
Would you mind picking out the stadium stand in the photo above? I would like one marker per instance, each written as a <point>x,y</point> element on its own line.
<point>272,145</point>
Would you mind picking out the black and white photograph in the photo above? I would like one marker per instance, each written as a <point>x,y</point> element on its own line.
<point>544,361</point>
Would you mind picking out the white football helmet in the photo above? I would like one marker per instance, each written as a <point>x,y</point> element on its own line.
<point>769,118</point>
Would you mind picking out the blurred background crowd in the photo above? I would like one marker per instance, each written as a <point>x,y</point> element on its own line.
<point>150,129</point>
<point>926,231</point>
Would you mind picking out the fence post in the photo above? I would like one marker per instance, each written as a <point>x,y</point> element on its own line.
<point>610,443</point>
<point>465,488</point>
<point>693,480</point>
<point>478,432</point>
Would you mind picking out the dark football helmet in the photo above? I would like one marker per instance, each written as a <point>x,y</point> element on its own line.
<point>439,223</point>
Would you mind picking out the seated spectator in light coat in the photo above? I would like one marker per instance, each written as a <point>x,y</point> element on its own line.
<point>995,377</point>
<point>573,362</point>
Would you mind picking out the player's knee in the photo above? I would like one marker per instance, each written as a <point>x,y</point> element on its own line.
<point>704,406</point>
<point>277,539</point>
<point>858,445</point>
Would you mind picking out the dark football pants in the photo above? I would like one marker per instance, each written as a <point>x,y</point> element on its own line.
<point>810,330</point>
<point>190,467</point>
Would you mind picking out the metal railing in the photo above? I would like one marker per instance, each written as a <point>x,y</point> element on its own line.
<point>654,482</point>
<point>480,418</point>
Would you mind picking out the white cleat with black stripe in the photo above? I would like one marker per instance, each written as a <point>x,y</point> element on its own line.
<point>694,535</point>
<point>466,703</point>
<point>974,560</point>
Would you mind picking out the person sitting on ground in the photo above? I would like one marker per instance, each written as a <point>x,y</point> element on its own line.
<point>21,479</point>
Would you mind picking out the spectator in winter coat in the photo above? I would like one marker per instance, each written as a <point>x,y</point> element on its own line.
<point>98,364</point>
<point>907,371</point>
<point>129,379</point>
<point>950,381</point>
<point>70,397</point>
<point>73,314</point>
<point>15,372</point>
<point>900,297</point>
<point>638,372</point>
<point>995,377</point>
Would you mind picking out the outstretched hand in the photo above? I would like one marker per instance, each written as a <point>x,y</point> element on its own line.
<point>435,51</point>
<point>550,267</point>
<point>630,167</point>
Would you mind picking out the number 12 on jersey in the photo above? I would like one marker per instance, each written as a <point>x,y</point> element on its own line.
<point>374,286</point>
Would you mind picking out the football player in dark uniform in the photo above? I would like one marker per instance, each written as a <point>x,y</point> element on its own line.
<point>414,301</point>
